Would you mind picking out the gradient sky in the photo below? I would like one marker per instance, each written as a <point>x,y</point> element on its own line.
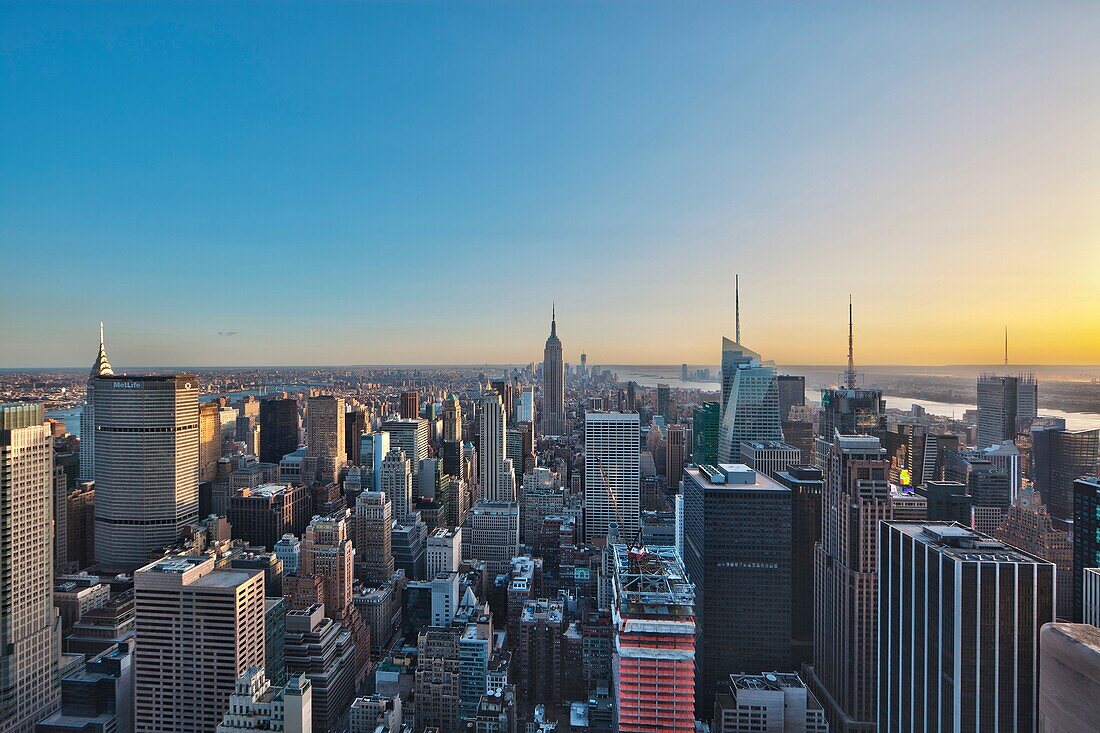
<point>417,182</point>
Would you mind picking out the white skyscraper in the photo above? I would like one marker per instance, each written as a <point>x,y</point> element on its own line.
<point>29,629</point>
<point>492,450</point>
<point>612,473</point>
<point>397,481</point>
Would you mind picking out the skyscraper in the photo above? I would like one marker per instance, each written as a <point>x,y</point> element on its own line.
<point>210,441</point>
<point>1086,536</point>
<point>410,405</point>
<point>373,449</point>
<point>674,456</point>
<point>792,391</point>
<point>653,612</point>
<point>29,625</point>
<point>704,433</point>
<point>806,484</point>
<point>850,409</point>
<point>663,402</point>
<point>1006,404</point>
<point>553,383</point>
<point>327,551</point>
<point>737,550</point>
<point>1058,458</point>
<point>495,481</point>
<point>278,429</point>
<point>856,498</point>
<point>325,436</point>
<point>147,464</point>
<point>751,407</point>
<point>100,368</point>
<point>411,436</point>
<point>372,523</point>
<point>959,615</point>
<point>612,474</point>
<point>200,628</point>
<point>1027,526</point>
<point>396,481</point>
<point>452,419</point>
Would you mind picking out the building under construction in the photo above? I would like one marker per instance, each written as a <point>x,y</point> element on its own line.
<point>653,609</point>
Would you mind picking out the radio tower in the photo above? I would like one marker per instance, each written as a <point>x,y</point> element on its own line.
<point>736,309</point>
<point>850,375</point>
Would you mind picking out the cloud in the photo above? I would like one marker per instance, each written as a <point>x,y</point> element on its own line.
<point>228,333</point>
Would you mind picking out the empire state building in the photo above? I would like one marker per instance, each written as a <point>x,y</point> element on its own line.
<point>553,383</point>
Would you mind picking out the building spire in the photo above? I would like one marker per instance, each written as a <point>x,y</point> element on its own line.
<point>737,308</point>
<point>101,367</point>
<point>1006,350</point>
<point>850,375</point>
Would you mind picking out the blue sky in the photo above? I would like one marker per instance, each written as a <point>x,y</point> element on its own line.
<point>416,182</point>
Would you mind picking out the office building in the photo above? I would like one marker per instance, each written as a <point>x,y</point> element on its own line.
<point>410,436</point>
<point>538,652</point>
<point>792,392</point>
<point>372,523</point>
<point>525,407</point>
<point>96,697</point>
<point>773,701</point>
<point>1005,402</point>
<point>737,551</point>
<point>674,456</point>
<point>438,680</point>
<point>612,474</point>
<point>769,457</point>
<point>210,441</point>
<point>198,630</point>
<point>1058,458</point>
<point>325,416</point>
<point>947,501</point>
<point>495,482</point>
<point>410,405</point>
<point>663,402</point>
<point>373,449</point>
<point>375,714</point>
<point>1028,527</point>
<point>806,484</point>
<point>1006,457</point>
<point>452,419</point>
<point>704,434</point>
<point>855,499</point>
<point>278,429</point>
<point>147,461</point>
<point>29,625</point>
<point>475,649</point>
<point>653,664</point>
<point>322,651</point>
<point>100,368</point>
<point>959,617</point>
<point>1069,678</point>
<point>409,540</point>
<point>1086,535</point>
<point>289,551</point>
<point>327,552</point>
<point>553,383</point>
<point>261,516</point>
<point>1090,596</point>
<point>396,479</point>
<point>257,704</point>
<point>491,534</point>
<point>750,410</point>
<point>849,409</point>
<point>444,550</point>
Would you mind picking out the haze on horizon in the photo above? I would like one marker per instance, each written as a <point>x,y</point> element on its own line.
<point>253,184</point>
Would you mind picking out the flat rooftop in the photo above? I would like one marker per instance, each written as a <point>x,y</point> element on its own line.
<point>963,543</point>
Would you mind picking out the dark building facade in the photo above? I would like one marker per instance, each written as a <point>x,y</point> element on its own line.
<point>737,552</point>
<point>959,619</point>
<point>792,391</point>
<point>806,484</point>
<point>1086,535</point>
<point>278,429</point>
<point>261,516</point>
<point>1058,458</point>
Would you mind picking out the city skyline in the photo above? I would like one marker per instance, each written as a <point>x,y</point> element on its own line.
<point>800,146</point>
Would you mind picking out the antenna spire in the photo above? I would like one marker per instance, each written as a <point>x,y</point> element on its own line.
<point>737,308</point>
<point>850,375</point>
<point>1006,350</point>
<point>101,334</point>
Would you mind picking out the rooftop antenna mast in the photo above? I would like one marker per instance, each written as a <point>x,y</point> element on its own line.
<point>737,308</point>
<point>1006,350</point>
<point>850,375</point>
